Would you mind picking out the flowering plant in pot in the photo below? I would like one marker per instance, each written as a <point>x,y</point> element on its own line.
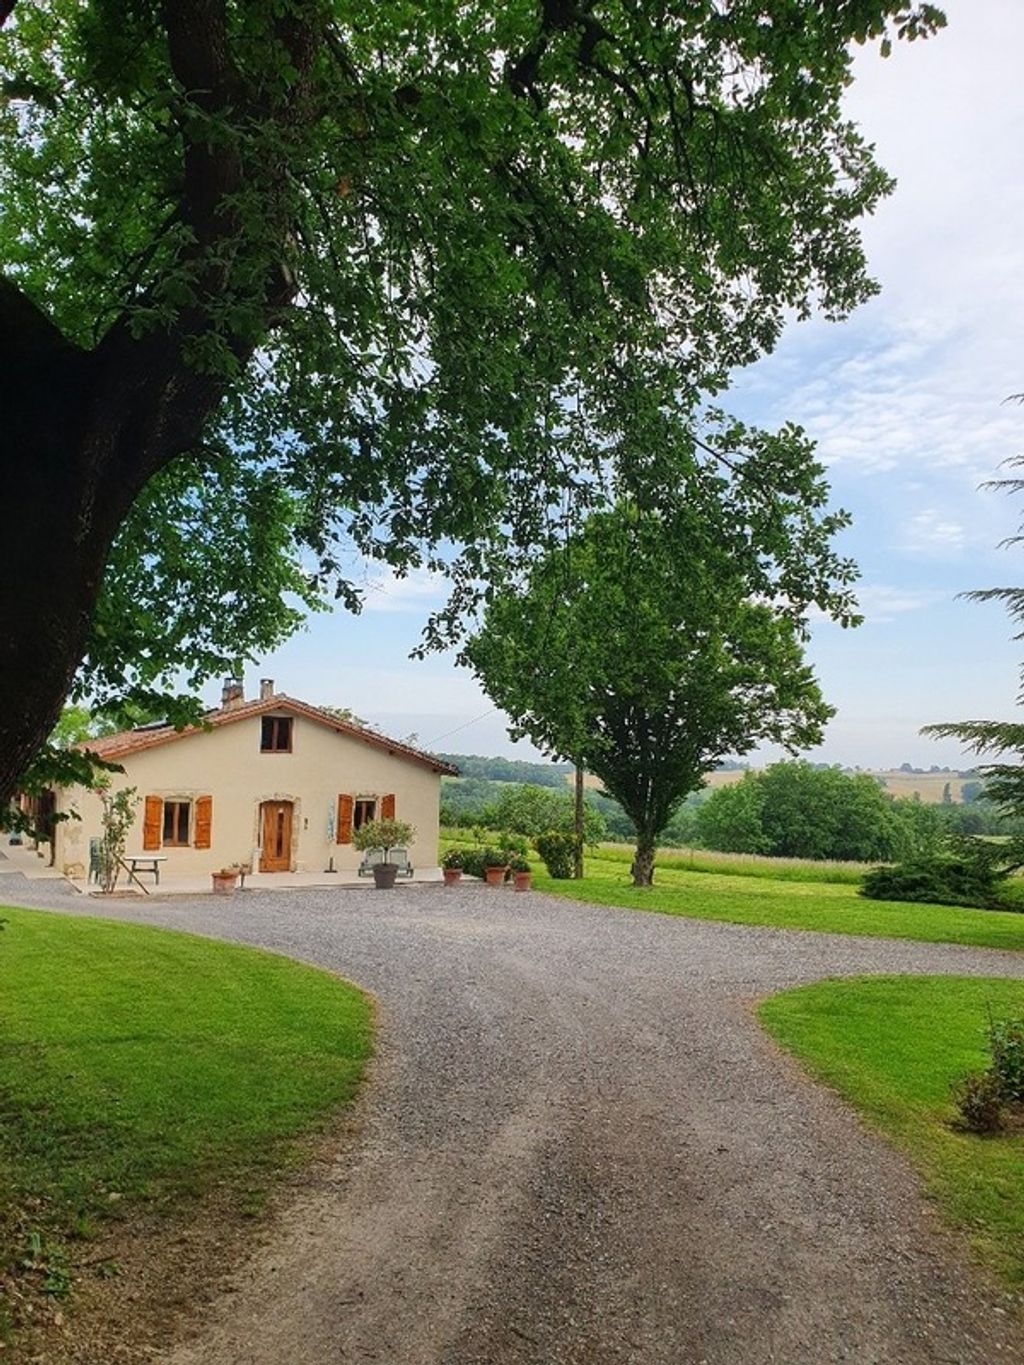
<point>495,866</point>
<point>522,874</point>
<point>385,835</point>
<point>451,866</point>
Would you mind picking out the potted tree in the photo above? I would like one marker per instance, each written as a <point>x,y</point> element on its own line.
<point>522,874</point>
<point>385,835</point>
<point>495,866</point>
<point>451,866</point>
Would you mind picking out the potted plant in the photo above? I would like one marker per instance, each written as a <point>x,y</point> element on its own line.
<point>495,866</point>
<point>224,880</point>
<point>522,875</point>
<point>385,835</point>
<point>451,866</point>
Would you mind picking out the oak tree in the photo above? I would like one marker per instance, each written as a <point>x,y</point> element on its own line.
<point>431,273</point>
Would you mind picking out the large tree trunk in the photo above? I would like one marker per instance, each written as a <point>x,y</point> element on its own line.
<point>643,859</point>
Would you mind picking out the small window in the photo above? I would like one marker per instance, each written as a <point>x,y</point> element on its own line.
<point>364,810</point>
<point>276,735</point>
<point>176,820</point>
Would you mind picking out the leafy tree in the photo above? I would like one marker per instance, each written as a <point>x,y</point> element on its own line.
<point>1003,781</point>
<point>730,820</point>
<point>639,649</point>
<point>421,275</point>
<point>533,810</point>
<point>799,810</point>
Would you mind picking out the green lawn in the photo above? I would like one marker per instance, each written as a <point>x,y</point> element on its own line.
<point>746,899</point>
<point>141,1065</point>
<point>893,1046</point>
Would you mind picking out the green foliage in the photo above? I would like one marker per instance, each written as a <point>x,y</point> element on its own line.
<point>383,834</point>
<point>473,862</point>
<point>494,857</point>
<point>799,810</point>
<point>115,823</point>
<point>1003,781</point>
<point>1006,1047</point>
<point>979,1102</point>
<point>454,858</point>
<point>525,248</point>
<point>473,766</point>
<point>638,649</point>
<point>962,872</point>
<point>532,810</point>
<point>558,851</point>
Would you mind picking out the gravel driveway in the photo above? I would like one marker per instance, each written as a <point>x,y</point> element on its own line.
<point>579,1146</point>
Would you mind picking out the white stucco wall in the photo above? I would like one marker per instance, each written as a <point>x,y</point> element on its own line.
<point>227,765</point>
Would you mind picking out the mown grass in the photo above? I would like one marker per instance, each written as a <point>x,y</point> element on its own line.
<point>143,1066</point>
<point>825,907</point>
<point>893,1046</point>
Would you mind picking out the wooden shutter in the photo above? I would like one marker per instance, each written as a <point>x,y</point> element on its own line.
<point>387,807</point>
<point>152,822</point>
<point>204,821</point>
<point>343,833</point>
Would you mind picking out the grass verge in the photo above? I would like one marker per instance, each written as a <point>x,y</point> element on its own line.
<point>893,1046</point>
<point>143,1067</point>
<point>745,864</point>
<point>824,907</point>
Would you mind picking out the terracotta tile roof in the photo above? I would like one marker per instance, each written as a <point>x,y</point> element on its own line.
<point>117,746</point>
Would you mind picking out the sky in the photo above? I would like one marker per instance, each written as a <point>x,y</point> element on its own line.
<point>907,401</point>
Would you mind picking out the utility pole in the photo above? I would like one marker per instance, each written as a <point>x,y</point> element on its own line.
<point>578,870</point>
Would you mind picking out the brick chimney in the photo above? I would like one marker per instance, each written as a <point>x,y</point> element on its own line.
<point>266,688</point>
<point>232,694</point>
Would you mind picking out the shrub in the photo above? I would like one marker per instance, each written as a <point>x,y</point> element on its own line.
<point>383,834</point>
<point>558,851</point>
<point>513,846</point>
<point>519,864</point>
<point>455,857</point>
<point>495,857</point>
<point>1006,1044</point>
<point>980,1102</point>
<point>473,862</point>
<point>968,874</point>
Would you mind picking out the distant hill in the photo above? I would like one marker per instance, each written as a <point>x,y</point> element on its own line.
<point>509,769</point>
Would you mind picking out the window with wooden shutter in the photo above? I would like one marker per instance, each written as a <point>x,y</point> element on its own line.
<point>204,821</point>
<point>152,822</point>
<point>344,828</point>
<point>387,807</point>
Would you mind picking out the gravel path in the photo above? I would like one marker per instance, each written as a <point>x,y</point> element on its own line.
<point>579,1148</point>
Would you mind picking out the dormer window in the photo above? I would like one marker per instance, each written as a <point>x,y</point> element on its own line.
<point>276,735</point>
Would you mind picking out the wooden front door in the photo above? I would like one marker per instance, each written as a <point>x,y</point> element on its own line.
<point>276,841</point>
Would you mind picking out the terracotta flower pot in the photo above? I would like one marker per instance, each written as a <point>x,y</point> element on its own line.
<point>495,875</point>
<point>522,880</point>
<point>224,883</point>
<point>384,875</point>
<point>452,875</point>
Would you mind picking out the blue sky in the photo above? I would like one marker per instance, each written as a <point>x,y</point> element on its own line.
<point>906,401</point>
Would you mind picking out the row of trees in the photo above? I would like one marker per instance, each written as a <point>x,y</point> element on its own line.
<point>794,809</point>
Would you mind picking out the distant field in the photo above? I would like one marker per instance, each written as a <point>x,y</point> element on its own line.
<point>928,786</point>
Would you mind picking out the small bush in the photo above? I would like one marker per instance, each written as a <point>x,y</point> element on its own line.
<point>454,858</point>
<point>1006,1044</point>
<point>979,1100</point>
<point>473,862</point>
<point>559,853</point>
<point>966,876</point>
<point>514,846</point>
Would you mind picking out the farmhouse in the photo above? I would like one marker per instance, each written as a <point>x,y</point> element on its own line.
<point>272,783</point>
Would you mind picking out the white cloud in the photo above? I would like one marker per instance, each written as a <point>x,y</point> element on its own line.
<point>933,533</point>
<point>881,603</point>
<point>419,590</point>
